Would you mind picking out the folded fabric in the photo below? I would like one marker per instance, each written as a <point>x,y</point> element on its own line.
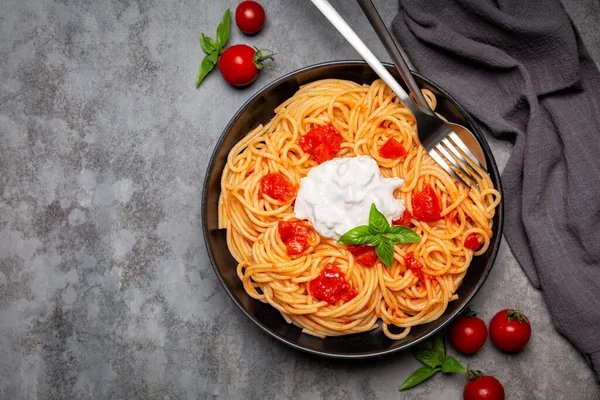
<point>521,69</point>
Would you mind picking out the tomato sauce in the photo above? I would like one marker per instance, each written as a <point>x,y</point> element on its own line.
<point>414,265</point>
<point>472,242</point>
<point>322,142</point>
<point>277,187</point>
<point>404,219</point>
<point>295,236</point>
<point>331,286</point>
<point>426,205</point>
<point>363,254</point>
<point>392,149</point>
<point>452,217</point>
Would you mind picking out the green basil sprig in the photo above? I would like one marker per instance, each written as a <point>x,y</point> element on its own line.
<point>213,48</point>
<point>434,360</point>
<point>380,235</point>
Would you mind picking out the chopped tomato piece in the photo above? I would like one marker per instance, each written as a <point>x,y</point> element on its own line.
<point>472,242</point>
<point>404,219</point>
<point>331,285</point>
<point>414,265</point>
<point>296,245</point>
<point>322,142</point>
<point>426,205</point>
<point>357,249</point>
<point>411,261</point>
<point>452,216</point>
<point>277,187</point>
<point>368,258</point>
<point>295,236</point>
<point>392,149</point>
<point>363,254</point>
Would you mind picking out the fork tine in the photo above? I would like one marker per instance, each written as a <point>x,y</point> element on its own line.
<point>445,165</point>
<point>458,142</point>
<point>459,157</point>
<point>454,163</point>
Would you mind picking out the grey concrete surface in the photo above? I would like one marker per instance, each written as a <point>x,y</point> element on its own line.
<point>106,291</point>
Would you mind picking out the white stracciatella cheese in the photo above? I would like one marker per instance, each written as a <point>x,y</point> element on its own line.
<point>336,196</point>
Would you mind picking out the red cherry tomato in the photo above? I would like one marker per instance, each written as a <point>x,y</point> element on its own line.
<point>392,149</point>
<point>404,219</point>
<point>277,187</point>
<point>510,330</point>
<point>295,236</point>
<point>239,64</point>
<point>472,242</point>
<point>426,205</point>
<point>250,17</point>
<point>468,333</point>
<point>484,388</point>
<point>363,254</point>
<point>331,285</point>
<point>322,142</point>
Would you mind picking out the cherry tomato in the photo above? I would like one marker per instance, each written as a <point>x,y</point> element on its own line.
<point>510,330</point>
<point>295,236</point>
<point>468,333</point>
<point>250,17</point>
<point>363,254</point>
<point>484,388</point>
<point>331,285</point>
<point>277,187</point>
<point>392,149</point>
<point>239,64</point>
<point>322,142</point>
<point>472,242</point>
<point>426,205</point>
<point>404,219</point>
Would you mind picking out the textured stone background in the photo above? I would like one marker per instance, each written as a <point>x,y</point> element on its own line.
<point>105,288</point>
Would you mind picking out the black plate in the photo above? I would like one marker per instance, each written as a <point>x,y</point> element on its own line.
<point>259,109</point>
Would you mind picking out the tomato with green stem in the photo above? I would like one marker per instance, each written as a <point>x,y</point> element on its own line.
<point>468,333</point>
<point>240,64</point>
<point>482,387</point>
<point>510,330</point>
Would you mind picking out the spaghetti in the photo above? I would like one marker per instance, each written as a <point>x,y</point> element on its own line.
<point>424,276</point>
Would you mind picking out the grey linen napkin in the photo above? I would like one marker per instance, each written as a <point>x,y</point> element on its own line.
<point>520,68</point>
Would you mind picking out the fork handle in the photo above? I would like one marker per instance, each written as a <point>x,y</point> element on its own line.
<point>338,22</point>
<point>393,49</point>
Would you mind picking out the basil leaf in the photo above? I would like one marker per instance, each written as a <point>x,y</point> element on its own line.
<point>223,30</point>
<point>402,234</point>
<point>213,57</point>
<point>428,357</point>
<point>358,235</point>
<point>451,365</point>
<point>207,65</point>
<point>376,239</point>
<point>377,221</point>
<point>418,376</point>
<point>208,44</point>
<point>439,347</point>
<point>385,252</point>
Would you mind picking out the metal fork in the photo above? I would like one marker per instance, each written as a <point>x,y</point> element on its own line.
<point>435,135</point>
